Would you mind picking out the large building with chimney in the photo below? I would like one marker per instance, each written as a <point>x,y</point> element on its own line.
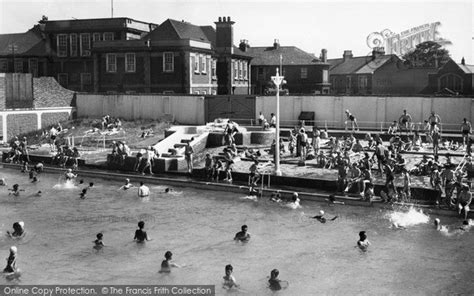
<point>304,73</point>
<point>453,78</point>
<point>176,57</point>
<point>63,48</point>
<point>376,74</point>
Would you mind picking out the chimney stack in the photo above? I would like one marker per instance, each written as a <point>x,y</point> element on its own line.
<point>276,44</point>
<point>463,62</point>
<point>347,55</point>
<point>324,55</point>
<point>224,35</point>
<point>244,45</point>
<point>377,52</point>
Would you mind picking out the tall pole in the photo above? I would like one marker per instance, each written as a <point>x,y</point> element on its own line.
<point>277,79</point>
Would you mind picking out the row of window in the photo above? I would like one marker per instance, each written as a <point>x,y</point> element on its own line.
<point>201,63</point>
<point>63,79</point>
<point>18,66</point>
<point>303,73</point>
<point>130,62</point>
<point>240,70</point>
<point>79,44</point>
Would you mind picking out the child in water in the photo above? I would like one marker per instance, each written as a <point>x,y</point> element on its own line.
<point>323,219</point>
<point>15,190</point>
<point>127,185</point>
<point>18,229</point>
<point>140,234</point>
<point>167,264</point>
<point>242,235</point>
<point>98,243</point>
<point>11,261</point>
<point>229,280</point>
<point>83,193</point>
<point>275,283</point>
<point>363,242</point>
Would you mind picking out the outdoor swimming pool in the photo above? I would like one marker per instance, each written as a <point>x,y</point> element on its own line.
<point>198,227</point>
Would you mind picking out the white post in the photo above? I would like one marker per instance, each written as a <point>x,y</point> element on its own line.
<point>277,79</point>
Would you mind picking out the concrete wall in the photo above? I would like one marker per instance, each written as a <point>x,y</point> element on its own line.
<point>369,111</point>
<point>184,109</point>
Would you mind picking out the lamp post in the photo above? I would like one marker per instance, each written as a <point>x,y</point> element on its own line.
<point>277,79</point>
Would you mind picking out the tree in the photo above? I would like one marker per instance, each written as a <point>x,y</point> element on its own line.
<point>427,54</point>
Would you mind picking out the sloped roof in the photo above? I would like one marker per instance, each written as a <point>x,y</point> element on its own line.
<point>349,66</point>
<point>373,65</point>
<point>47,92</point>
<point>29,43</point>
<point>468,69</point>
<point>270,56</point>
<point>176,30</point>
<point>334,62</point>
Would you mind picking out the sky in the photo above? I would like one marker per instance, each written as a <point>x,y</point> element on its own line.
<point>335,25</point>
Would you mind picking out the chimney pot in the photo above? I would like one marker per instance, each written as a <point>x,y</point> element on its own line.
<point>228,18</point>
<point>324,55</point>
<point>220,19</point>
<point>463,62</point>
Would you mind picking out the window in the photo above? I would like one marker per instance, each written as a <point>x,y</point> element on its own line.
<point>111,63</point>
<point>33,67</point>
<point>213,69</point>
<point>348,84</point>
<point>304,73</point>
<point>96,37</point>
<point>62,79</point>
<point>168,62</point>
<point>85,45</point>
<point>61,43</point>
<point>236,70</point>
<point>450,81</point>
<point>241,75</point>
<point>73,43</point>
<point>245,71</point>
<point>196,64</point>
<point>109,36</point>
<point>325,76</point>
<point>18,66</point>
<point>260,73</point>
<point>203,63</point>
<point>3,65</point>
<point>86,78</point>
<point>129,62</point>
<point>362,82</point>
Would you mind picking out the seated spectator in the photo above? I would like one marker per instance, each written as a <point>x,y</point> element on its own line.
<point>393,128</point>
<point>370,141</point>
<point>357,147</point>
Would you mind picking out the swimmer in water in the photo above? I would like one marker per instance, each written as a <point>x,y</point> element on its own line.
<point>15,190</point>
<point>465,226</point>
<point>11,261</point>
<point>242,235</point>
<point>363,243</point>
<point>323,219</point>
<point>127,185</point>
<point>98,243</point>
<point>143,191</point>
<point>18,229</point>
<point>38,194</point>
<point>168,190</point>
<point>332,200</point>
<point>229,280</point>
<point>81,181</point>
<point>3,182</point>
<point>276,196</point>
<point>69,175</point>
<point>91,184</point>
<point>167,264</point>
<point>83,193</point>
<point>140,234</point>
<point>275,283</point>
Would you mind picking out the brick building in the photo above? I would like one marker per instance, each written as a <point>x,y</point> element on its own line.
<point>62,48</point>
<point>303,72</point>
<point>377,74</point>
<point>453,78</point>
<point>176,57</point>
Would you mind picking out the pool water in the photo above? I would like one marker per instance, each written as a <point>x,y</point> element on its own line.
<point>198,226</point>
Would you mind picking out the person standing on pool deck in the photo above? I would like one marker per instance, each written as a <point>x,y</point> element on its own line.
<point>243,235</point>
<point>11,261</point>
<point>140,234</point>
<point>352,119</point>
<point>466,129</point>
<point>434,120</point>
<point>188,153</point>
<point>143,191</point>
<point>405,121</point>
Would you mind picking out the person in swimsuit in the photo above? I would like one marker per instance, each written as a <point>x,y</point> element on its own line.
<point>229,280</point>
<point>98,243</point>
<point>167,264</point>
<point>83,193</point>
<point>466,129</point>
<point>15,190</point>
<point>243,235</point>
<point>18,229</point>
<point>363,243</point>
<point>351,118</point>
<point>143,191</point>
<point>127,185</point>
<point>11,261</point>
<point>275,283</point>
<point>69,175</point>
<point>140,234</point>
<point>323,219</point>
<point>405,121</point>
